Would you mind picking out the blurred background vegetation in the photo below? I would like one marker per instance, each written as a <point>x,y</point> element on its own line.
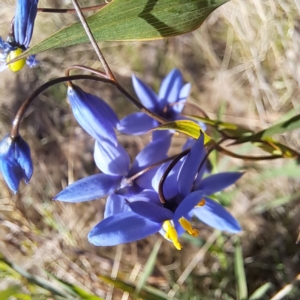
<point>244,66</point>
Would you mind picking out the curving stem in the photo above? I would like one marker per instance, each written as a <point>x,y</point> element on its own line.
<point>19,115</point>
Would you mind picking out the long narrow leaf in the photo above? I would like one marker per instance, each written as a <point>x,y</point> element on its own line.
<point>240,272</point>
<point>132,20</point>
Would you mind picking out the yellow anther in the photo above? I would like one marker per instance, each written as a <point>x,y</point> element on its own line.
<point>171,234</point>
<point>18,65</point>
<point>201,203</point>
<point>187,226</point>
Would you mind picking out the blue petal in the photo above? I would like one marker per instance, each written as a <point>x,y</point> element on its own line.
<point>151,211</point>
<point>146,196</point>
<point>26,11</point>
<point>111,159</point>
<point>15,161</point>
<point>93,114</point>
<point>188,144</point>
<point>122,228</point>
<point>153,153</point>
<point>32,62</point>
<point>89,188</point>
<point>170,187</point>
<point>115,204</point>
<point>145,94</point>
<point>12,174</point>
<point>170,88</point>
<point>136,123</point>
<point>215,215</point>
<point>217,182</point>
<point>187,205</point>
<point>23,157</point>
<point>145,181</point>
<point>190,167</point>
<point>183,95</point>
<point>161,134</point>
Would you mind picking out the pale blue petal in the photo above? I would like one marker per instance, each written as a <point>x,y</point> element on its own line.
<point>183,95</point>
<point>89,188</point>
<point>94,115</point>
<point>136,123</point>
<point>145,181</point>
<point>122,228</point>
<point>153,153</point>
<point>215,215</point>
<point>151,211</point>
<point>146,196</point>
<point>190,167</point>
<point>170,88</point>
<point>217,182</point>
<point>111,159</point>
<point>115,204</point>
<point>145,94</point>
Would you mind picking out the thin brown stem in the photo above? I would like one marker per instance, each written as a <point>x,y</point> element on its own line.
<point>16,122</point>
<point>140,173</point>
<point>114,82</point>
<point>84,68</point>
<point>89,33</point>
<point>247,157</point>
<point>69,10</point>
<point>161,196</point>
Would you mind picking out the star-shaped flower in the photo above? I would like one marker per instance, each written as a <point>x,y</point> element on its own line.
<point>168,104</point>
<point>186,195</point>
<point>115,181</point>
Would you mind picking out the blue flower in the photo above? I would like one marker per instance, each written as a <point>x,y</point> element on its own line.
<point>114,162</point>
<point>186,196</point>
<point>168,103</point>
<point>19,39</point>
<point>15,161</point>
<point>94,115</point>
<point>26,11</point>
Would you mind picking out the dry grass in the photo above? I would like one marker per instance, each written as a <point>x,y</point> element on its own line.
<point>246,58</point>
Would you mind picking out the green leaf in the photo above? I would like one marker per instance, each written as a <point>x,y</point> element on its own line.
<point>132,20</point>
<point>261,291</point>
<point>240,272</point>
<point>265,135</point>
<point>74,289</point>
<point>230,129</point>
<point>148,292</point>
<point>189,128</point>
<point>149,266</point>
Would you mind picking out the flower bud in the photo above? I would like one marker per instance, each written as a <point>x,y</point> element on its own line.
<point>15,161</point>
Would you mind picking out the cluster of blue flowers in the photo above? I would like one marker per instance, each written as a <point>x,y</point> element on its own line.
<point>19,37</point>
<point>133,208</point>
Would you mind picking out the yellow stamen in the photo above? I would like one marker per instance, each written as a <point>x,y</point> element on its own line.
<point>187,226</point>
<point>171,234</point>
<point>18,65</point>
<point>201,203</point>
